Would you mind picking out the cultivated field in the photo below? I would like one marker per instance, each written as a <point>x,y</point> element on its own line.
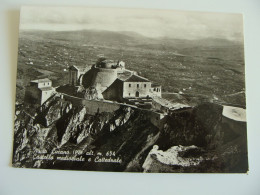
<point>210,70</point>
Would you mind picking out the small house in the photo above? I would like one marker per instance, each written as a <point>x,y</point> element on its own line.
<point>39,91</point>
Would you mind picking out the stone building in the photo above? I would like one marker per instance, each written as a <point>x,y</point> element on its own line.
<point>76,74</point>
<point>156,90</point>
<point>136,86</point>
<point>73,75</point>
<point>39,91</point>
<point>113,81</point>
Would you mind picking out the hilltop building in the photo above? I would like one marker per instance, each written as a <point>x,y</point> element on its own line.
<point>105,80</point>
<point>39,91</point>
<point>113,81</point>
<point>75,75</point>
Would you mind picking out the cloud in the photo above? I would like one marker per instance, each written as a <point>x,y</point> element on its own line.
<point>152,23</point>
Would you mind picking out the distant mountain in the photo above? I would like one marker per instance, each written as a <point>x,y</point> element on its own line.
<point>126,38</point>
<point>88,36</point>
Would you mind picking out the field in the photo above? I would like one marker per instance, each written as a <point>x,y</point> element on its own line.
<point>209,70</point>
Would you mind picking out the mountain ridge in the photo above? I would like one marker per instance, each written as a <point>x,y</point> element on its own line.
<point>130,38</point>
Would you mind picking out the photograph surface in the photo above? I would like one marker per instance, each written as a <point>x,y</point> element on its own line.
<point>130,90</point>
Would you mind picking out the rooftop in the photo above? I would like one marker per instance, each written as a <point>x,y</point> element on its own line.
<point>136,78</point>
<point>73,67</point>
<point>155,85</point>
<point>80,68</point>
<point>124,75</point>
<point>168,104</point>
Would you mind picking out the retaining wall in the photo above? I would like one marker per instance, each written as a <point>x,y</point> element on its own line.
<point>92,106</point>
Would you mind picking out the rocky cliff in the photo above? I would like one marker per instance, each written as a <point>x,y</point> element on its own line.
<point>62,135</point>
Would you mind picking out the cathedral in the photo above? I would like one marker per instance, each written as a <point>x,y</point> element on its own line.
<point>113,81</point>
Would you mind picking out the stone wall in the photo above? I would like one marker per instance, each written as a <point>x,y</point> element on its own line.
<point>99,77</point>
<point>73,77</point>
<point>32,95</point>
<point>104,77</point>
<point>114,92</point>
<point>156,91</point>
<point>46,95</point>
<point>156,118</point>
<point>92,106</point>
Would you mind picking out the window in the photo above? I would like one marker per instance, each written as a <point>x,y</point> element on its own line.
<point>129,94</point>
<point>144,85</point>
<point>137,85</point>
<point>44,84</point>
<point>154,89</point>
<point>129,85</point>
<point>157,89</point>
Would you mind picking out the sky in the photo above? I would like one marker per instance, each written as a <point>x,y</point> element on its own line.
<point>147,22</point>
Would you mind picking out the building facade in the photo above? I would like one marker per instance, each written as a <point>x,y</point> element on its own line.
<point>39,91</point>
<point>136,87</point>
<point>73,75</point>
<point>156,90</point>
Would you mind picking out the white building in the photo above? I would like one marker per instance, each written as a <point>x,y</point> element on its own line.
<point>39,91</point>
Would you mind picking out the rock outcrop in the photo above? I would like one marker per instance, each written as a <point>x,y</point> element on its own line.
<point>63,135</point>
<point>158,160</point>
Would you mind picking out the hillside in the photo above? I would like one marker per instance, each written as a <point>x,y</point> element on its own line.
<point>210,70</point>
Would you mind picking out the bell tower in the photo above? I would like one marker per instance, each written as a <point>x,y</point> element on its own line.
<point>73,75</point>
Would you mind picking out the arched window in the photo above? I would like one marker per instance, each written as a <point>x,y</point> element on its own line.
<point>137,94</point>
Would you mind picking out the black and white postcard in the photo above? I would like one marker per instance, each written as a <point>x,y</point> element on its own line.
<point>130,90</point>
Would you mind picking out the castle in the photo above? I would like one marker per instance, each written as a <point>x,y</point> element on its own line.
<point>105,80</point>
<point>112,81</point>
